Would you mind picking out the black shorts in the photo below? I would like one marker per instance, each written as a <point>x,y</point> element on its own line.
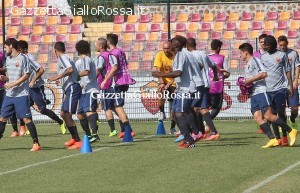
<point>216,100</point>
<point>170,90</point>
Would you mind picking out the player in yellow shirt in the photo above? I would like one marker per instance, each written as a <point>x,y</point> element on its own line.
<point>163,63</point>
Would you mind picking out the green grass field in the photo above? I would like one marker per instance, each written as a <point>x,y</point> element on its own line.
<point>152,164</point>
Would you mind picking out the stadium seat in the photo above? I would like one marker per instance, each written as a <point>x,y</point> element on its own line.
<point>48,39</point>
<point>224,52</point>
<point>172,18</point>
<point>201,45</point>
<point>133,66</point>
<point>55,11</point>
<point>191,35</point>
<point>27,21</point>
<point>244,25</point>
<point>119,19</point>
<point>221,17</point>
<point>180,27</point>
<point>296,15</point>
<point>183,17</point>
<point>128,37</point>
<point>52,20</point>
<point>205,27</point>
<point>14,11</point>
<point>180,34</point>
<point>62,29</point>
<point>269,25</point>
<point>246,16</point>
<point>292,34</point>
<point>6,13</point>
<point>42,12</point>
<point>132,19</point>
<point>53,67</point>
<point>65,20</point>
<point>234,16</point>
<point>155,27</point>
<point>126,47</point>
<point>23,37</point>
<point>295,25</point>
<point>203,35</point>
<point>30,3</point>
<point>267,32</point>
<point>254,34</point>
<point>15,21</point>
<point>241,35</point>
<point>284,15</point>
<point>129,28</point>
<point>75,29</point>
<point>153,36</point>
<point>138,46</point>
<point>42,3</point>
<point>50,29</point>
<point>35,39</point>
<point>165,29</point>
<point>73,38</point>
<point>140,37</point>
<point>12,31</point>
<point>37,30</point>
<point>148,56</point>
<point>25,30</point>
<point>143,27</point>
<point>234,64</point>
<point>6,21</point>
<point>218,26</point>
<point>7,4</point>
<point>226,45</point>
<point>228,35</point>
<point>164,37</point>
<point>77,20</point>
<point>257,25</point>
<point>208,17</point>
<point>216,35</point>
<point>44,49</point>
<point>33,48</point>
<point>259,16</point>
<point>70,48</point>
<point>196,17</point>
<point>282,25</point>
<point>60,38</point>
<point>278,33</point>
<point>40,20</point>
<point>272,15</point>
<point>145,18</point>
<point>231,26</point>
<point>235,54</point>
<point>18,3</point>
<point>193,27</point>
<point>157,18</point>
<point>134,56</point>
<point>151,46</point>
<point>117,28</point>
<point>42,58</point>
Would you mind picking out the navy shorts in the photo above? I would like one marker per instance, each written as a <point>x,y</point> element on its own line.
<point>260,102</point>
<point>120,95</point>
<point>182,103</point>
<point>206,101</point>
<point>278,98</point>
<point>197,97</point>
<point>18,105</point>
<point>294,100</point>
<point>108,102</point>
<point>216,100</point>
<point>38,96</point>
<point>72,96</point>
<point>87,103</point>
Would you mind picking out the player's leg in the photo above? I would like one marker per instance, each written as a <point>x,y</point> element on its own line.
<point>90,107</point>
<point>161,104</point>
<point>293,102</point>
<point>107,106</point>
<point>7,110</point>
<point>14,124</point>
<point>82,117</point>
<point>171,90</point>
<point>216,104</point>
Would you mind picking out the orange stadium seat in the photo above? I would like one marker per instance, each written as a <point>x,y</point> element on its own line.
<point>203,35</point>
<point>183,17</point>
<point>137,46</point>
<point>234,16</point>
<point>128,37</point>
<point>295,25</point>
<point>52,68</point>
<point>142,27</point>
<point>234,64</point>
<point>62,29</point>
<point>132,19</point>
<point>244,25</point>
<point>284,15</point>
<point>52,20</point>
<point>12,31</point>
<point>27,21</point>
<point>278,33</point>
<point>15,11</point>
<point>259,16</point>
<point>42,58</point>
<point>77,20</point>
<point>48,39</point>
<point>254,34</point>
<point>237,43</point>
<point>218,26</point>
<point>157,18</point>
<point>269,25</point>
<point>30,3</point>
<point>180,34</point>
<point>153,36</point>
<point>208,17</point>
<point>165,29</point>
<point>5,21</point>
<point>41,12</point>
<point>117,28</point>
<point>133,66</point>
<point>229,35</point>
<point>148,56</point>
<point>37,30</point>
<point>23,37</point>
<point>193,27</point>
<point>33,48</point>
<point>73,38</point>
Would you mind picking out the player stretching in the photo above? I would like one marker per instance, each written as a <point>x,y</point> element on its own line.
<point>17,99</point>
<point>255,73</point>
<point>293,57</point>
<point>88,104</point>
<point>68,78</point>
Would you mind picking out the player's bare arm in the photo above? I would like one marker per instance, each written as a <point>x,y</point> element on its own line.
<point>258,77</point>
<point>18,82</point>
<point>39,74</point>
<point>67,72</point>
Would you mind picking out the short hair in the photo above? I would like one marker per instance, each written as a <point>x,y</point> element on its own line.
<point>181,40</point>
<point>22,45</point>
<point>270,40</point>
<point>282,38</point>
<point>262,36</point>
<point>112,39</point>
<point>60,46</point>
<point>215,44</point>
<point>191,42</point>
<point>103,42</point>
<point>83,47</point>
<point>11,42</point>
<point>246,47</point>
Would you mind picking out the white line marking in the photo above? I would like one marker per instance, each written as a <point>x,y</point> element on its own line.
<point>62,158</point>
<point>271,178</point>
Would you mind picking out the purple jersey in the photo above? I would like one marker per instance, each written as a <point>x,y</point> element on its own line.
<point>216,86</point>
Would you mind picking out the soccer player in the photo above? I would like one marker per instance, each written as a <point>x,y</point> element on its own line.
<point>293,57</point>
<point>122,80</point>
<point>163,63</point>
<point>217,87</point>
<point>202,108</point>
<point>36,87</point>
<point>16,99</point>
<point>68,77</point>
<point>188,77</point>
<point>256,73</point>
<point>88,104</point>
<point>279,78</point>
<point>262,50</point>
